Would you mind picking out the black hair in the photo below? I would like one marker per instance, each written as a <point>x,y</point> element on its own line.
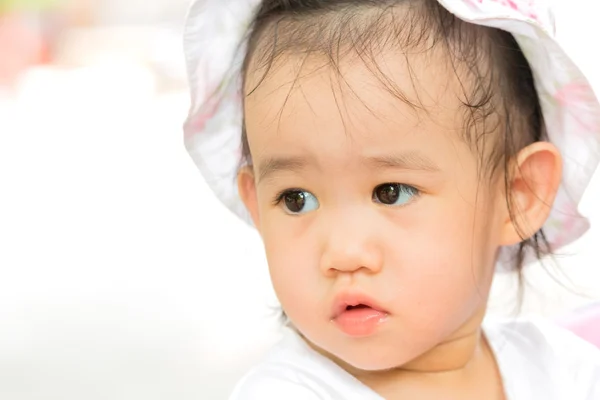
<point>500,101</point>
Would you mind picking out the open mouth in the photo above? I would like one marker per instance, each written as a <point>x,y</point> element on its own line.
<point>356,318</point>
<point>357,307</point>
<point>353,304</point>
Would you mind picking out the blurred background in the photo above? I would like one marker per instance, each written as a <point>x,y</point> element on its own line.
<point>121,277</point>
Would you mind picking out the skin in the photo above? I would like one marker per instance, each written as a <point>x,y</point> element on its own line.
<point>428,262</point>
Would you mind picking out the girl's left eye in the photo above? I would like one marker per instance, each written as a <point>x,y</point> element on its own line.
<point>394,194</point>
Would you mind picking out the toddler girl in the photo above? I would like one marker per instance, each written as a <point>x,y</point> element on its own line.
<point>392,155</point>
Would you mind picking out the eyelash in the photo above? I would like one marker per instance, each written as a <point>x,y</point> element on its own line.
<point>280,195</point>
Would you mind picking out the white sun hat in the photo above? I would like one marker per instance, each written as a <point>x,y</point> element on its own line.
<point>214,50</point>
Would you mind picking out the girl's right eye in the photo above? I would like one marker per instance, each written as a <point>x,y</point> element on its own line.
<point>296,202</point>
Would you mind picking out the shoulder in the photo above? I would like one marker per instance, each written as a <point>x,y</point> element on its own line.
<point>285,373</point>
<point>546,337</point>
<point>294,371</point>
<point>561,357</point>
<point>267,382</point>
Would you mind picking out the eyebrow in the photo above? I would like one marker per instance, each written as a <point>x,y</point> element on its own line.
<point>278,164</point>
<point>410,160</point>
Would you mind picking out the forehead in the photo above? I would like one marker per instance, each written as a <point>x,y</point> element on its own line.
<point>393,100</point>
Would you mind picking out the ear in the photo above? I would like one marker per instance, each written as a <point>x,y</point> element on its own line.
<point>535,180</point>
<point>247,192</point>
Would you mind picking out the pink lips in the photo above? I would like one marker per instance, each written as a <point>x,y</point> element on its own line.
<point>357,315</point>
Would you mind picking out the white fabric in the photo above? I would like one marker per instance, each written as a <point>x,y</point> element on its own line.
<point>537,360</point>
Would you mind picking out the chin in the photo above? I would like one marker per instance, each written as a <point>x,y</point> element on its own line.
<point>368,358</point>
<point>373,365</point>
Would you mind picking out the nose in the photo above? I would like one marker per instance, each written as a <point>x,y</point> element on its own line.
<point>350,245</point>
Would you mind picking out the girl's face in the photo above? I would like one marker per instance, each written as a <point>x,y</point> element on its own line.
<point>363,200</point>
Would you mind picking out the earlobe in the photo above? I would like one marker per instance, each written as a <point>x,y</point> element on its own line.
<point>247,192</point>
<point>534,182</point>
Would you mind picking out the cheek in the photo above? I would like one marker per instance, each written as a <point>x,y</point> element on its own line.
<point>292,259</point>
<point>444,266</point>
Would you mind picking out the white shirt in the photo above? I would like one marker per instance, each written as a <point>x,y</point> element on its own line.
<point>537,361</point>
